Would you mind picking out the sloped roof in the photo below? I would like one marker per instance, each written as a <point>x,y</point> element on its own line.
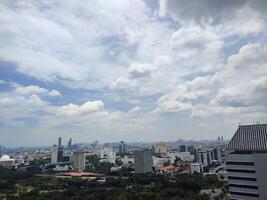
<point>249,137</point>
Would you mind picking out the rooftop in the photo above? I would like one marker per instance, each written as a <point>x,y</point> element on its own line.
<point>249,137</point>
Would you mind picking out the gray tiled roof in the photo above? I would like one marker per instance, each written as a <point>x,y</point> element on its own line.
<point>249,137</point>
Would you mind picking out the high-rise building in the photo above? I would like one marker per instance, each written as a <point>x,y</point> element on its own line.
<point>204,157</point>
<point>59,141</point>
<point>216,154</point>
<point>246,163</point>
<point>143,161</point>
<point>160,148</point>
<point>182,148</point>
<point>70,143</point>
<point>57,154</point>
<point>78,160</point>
<point>122,148</point>
<point>60,151</point>
<point>54,155</point>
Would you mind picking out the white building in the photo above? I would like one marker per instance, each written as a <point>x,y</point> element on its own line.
<point>204,157</point>
<point>159,162</point>
<point>6,161</point>
<point>78,160</point>
<point>196,167</point>
<point>108,155</point>
<point>54,153</point>
<point>184,156</point>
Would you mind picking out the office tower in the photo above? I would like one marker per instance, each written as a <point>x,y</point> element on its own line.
<point>143,161</point>
<point>78,160</point>
<point>182,148</point>
<point>59,141</point>
<point>160,148</point>
<point>246,163</point>
<point>122,148</point>
<point>222,138</point>
<point>60,151</point>
<point>219,138</point>
<point>54,155</point>
<point>70,143</point>
<point>216,154</point>
<point>204,157</point>
<point>57,154</point>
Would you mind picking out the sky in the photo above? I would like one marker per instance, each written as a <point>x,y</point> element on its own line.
<point>133,70</point>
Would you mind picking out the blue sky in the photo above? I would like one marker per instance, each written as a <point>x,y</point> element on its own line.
<point>133,70</point>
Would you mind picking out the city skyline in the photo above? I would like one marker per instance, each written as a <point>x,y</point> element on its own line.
<point>131,70</point>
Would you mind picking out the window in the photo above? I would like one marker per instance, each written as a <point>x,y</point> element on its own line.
<point>242,178</point>
<point>241,171</point>
<point>240,163</point>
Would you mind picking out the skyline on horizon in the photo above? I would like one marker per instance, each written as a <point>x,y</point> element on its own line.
<point>132,70</point>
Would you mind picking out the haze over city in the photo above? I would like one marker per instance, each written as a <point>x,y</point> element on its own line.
<point>132,70</point>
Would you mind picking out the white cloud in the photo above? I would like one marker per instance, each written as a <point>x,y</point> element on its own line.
<point>135,109</point>
<point>86,108</point>
<point>54,93</point>
<point>197,48</point>
<point>172,106</point>
<point>239,87</point>
<point>141,70</point>
<point>123,83</point>
<point>32,89</point>
<point>2,82</point>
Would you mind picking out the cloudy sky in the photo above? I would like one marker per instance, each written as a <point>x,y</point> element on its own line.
<point>134,70</point>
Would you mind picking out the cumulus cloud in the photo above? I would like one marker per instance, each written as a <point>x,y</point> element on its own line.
<point>239,87</point>
<point>2,82</point>
<point>32,89</point>
<point>135,109</point>
<point>197,48</point>
<point>54,93</point>
<point>172,106</point>
<point>86,108</point>
<point>229,17</point>
<point>141,70</point>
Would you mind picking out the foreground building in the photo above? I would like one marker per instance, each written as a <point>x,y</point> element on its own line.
<point>246,163</point>
<point>143,161</point>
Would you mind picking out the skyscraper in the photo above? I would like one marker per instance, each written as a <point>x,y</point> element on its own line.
<point>57,154</point>
<point>59,141</point>
<point>143,161</point>
<point>182,148</point>
<point>246,163</point>
<point>70,143</point>
<point>78,160</point>
<point>54,155</point>
<point>122,148</point>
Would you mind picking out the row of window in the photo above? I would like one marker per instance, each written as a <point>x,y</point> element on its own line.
<point>242,178</point>
<point>241,171</point>
<point>244,194</point>
<point>240,163</point>
<point>244,186</point>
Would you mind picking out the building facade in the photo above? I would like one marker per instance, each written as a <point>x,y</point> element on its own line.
<point>78,160</point>
<point>143,161</point>
<point>246,163</point>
